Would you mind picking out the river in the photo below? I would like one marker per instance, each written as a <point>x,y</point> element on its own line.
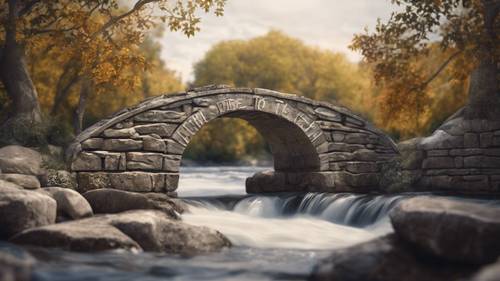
<point>275,237</point>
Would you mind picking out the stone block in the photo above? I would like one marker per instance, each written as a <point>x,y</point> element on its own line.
<point>338,156</point>
<point>119,133</point>
<point>365,155</point>
<point>438,163</point>
<point>267,181</point>
<point>122,145</point>
<point>362,167</point>
<point>163,116</point>
<point>338,136</point>
<point>144,161</point>
<point>86,161</point>
<point>115,162</point>
<point>89,181</point>
<point>154,144</point>
<point>438,152</point>
<point>171,181</point>
<point>174,147</point>
<point>472,161</point>
<point>136,181</point>
<point>471,140</point>
<point>459,162</point>
<point>171,163</point>
<point>357,138</point>
<point>344,147</point>
<point>345,181</point>
<point>486,139</point>
<point>92,143</point>
<point>466,152</point>
<point>161,129</point>
<point>482,161</point>
<point>328,114</point>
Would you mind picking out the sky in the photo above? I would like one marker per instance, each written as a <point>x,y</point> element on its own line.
<point>328,24</point>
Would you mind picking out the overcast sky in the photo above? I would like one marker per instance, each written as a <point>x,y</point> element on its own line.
<point>329,24</point>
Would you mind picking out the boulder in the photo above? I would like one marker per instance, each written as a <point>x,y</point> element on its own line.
<point>385,259</point>
<point>490,272</point>
<point>155,231</point>
<point>22,209</point>
<point>20,160</point>
<point>86,235</point>
<point>26,181</point>
<point>109,201</point>
<point>449,229</point>
<point>15,263</point>
<point>70,204</point>
<point>151,230</point>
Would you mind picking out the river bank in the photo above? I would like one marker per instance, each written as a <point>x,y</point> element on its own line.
<point>274,237</point>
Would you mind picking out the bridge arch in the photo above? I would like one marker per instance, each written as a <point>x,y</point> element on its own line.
<point>316,146</point>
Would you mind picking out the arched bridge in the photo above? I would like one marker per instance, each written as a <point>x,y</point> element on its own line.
<point>316,146</point>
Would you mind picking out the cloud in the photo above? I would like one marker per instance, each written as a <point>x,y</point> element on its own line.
<point>329,24</point>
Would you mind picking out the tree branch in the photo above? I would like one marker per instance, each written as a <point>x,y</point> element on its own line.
<point>437,72</point>
<point>138,5</point>
<point>27,8</point>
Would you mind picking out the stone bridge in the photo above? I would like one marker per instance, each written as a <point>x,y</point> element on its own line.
<point>316,146</point>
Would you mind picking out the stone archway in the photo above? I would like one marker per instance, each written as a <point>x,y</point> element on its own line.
<point>316,146</point>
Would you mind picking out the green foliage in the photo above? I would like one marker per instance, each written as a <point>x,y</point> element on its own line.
<point>227,140</point>
<point>274,61</point>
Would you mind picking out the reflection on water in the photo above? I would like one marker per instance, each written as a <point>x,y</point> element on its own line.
<point>275,237</point>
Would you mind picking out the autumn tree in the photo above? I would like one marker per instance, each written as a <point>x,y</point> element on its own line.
<point>99,37</point>
<point>463,32</point>
<point>279,62</point>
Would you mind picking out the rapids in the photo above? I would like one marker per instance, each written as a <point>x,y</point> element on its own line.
<point>275,236</point>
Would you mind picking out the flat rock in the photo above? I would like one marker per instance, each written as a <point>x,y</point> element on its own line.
<point>156,231</point>
<point>385,259</point>
<point>110,201</point>
<point>449,229</point>
<point>22,209</point>
<point>70,204</point>
<point>86,235</point>
<point>16,159</point>
<point>26,181</point>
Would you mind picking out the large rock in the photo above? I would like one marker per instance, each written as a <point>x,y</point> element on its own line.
<point>20,160</point>
<point>449,229</point>
<point>26,181</point>
<point>151,230</point>
<point>83,236</point>
<point>488,273</point>
<point>109,201</point>
<point>22,209</point>
<point>155,231</point>
<point>385,259</point>
<point>70,204</point>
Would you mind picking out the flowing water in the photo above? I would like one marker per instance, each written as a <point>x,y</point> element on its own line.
<point>275,237</point>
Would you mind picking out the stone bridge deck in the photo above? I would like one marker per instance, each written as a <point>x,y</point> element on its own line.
<point>316,146</point>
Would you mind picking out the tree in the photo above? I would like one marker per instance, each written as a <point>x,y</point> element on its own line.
<point>279,62</point>
<point>88,31</point>
<point>464,30</point>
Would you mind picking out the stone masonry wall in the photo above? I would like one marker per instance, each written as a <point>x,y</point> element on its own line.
<point>460,156</point>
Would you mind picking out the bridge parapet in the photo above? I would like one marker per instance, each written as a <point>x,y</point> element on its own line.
<point>316,146</point>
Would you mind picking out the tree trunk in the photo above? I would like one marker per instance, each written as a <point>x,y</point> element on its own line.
<point>15,76</point>
<point>82,103</point>
<point>484,94</point>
